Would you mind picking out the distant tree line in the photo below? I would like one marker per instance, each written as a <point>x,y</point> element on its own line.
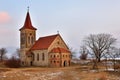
<point>13,61</point>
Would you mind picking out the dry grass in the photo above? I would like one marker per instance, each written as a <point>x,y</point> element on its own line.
<point>76,72</point>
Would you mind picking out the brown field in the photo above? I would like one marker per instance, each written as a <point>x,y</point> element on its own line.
<point>76,72</point>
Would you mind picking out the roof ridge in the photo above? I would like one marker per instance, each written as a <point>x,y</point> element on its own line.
<point>44,42</point>
<point>49,35</point>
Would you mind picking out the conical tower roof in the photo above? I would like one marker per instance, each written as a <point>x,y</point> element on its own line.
<point>28,23</point>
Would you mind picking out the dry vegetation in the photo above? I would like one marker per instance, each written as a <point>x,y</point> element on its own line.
<point>75,72</point>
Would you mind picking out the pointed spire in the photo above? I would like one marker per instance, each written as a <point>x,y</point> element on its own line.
<point>28,23</point>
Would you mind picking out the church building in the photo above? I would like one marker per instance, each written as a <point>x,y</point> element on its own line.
<point>49,51</point>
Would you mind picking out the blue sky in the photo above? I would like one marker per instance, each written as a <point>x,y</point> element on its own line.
<point>74,19</point>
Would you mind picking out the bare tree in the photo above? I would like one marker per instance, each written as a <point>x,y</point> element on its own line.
<point>99,44</point>
<point>17,53</point>
<point>3,52</point>
<point>113,53</point>
<point>73,53</point>
<point>83,52</point>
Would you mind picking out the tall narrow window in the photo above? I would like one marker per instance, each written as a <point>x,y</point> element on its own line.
<point>22,38</point>
<point>43,56</point>
<point>29,39</point>
<point>33,56</point>
<point>32,40</point>
<point>38,57</point>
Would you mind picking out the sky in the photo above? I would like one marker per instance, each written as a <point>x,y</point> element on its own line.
<point>74,19</point>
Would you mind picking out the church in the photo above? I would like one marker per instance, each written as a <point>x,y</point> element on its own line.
<point>47,51</point>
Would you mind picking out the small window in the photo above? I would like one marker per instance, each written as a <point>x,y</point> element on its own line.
<point>30,33</point>
<point>54,61</point>
<point>57,61</point>
<point>57,55</point>
<point>22,63</point>
<point>38,56</point>
<point>43,56</point>
<point>54,56</point>
<point>58,42</point>
<point>33,56</point>
<point>51,61</point>
<point>66,55</point>
<point>51,56</point>
<point>63,55</point>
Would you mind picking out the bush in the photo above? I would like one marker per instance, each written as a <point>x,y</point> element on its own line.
<point>83,56</point>
<point>117,66</point>
<point>12,63</point>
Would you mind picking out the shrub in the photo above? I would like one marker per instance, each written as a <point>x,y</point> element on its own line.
<point>83,56</point>
<point>103,77</point>
<point>117,66</point>
<point>12,63</point>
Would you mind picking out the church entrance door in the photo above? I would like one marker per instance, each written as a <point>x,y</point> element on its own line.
<point>65,63</point>
<point>31,63</point>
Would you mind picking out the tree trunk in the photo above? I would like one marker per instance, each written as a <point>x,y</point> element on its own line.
<point>98,60</point>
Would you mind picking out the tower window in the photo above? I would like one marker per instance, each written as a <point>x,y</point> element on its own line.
<point>32,40</point>
<point>28,39</point>
<point>22,38</point>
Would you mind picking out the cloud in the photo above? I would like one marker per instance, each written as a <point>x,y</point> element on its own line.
<point>4,17</point>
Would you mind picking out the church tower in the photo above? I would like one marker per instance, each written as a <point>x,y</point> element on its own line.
<point>27,37</point>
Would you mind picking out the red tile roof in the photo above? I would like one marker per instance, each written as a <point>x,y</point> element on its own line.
<point>28,23</point>
<point>44,42</point>
<point>59,50</point>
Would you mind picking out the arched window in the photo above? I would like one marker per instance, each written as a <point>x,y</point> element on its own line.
<point>38,57</point>
<point>66,55</point>
<point>43,56</point>
<point>22,38</point>
<point>32,40</point>
<point>33,56</point>
<point>29,39</point>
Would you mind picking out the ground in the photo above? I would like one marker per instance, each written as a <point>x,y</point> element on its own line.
<point>76,72</point>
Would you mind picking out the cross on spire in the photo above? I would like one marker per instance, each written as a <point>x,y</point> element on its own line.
<point>28,8</point>
<point>57,32</point>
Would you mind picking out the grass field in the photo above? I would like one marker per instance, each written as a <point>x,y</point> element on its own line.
<point>75,72</point>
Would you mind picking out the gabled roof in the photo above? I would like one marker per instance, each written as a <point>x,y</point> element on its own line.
<point>59,50</point>
<point>44,42</point>
<point>28,23</point>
